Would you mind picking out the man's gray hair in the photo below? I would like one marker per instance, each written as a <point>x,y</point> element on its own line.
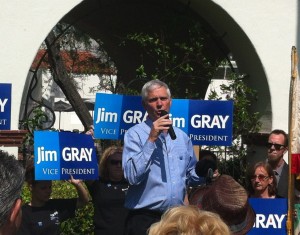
<point>11,182</point>
<point>151,85</point>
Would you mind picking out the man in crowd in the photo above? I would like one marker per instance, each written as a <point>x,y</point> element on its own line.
<point>11,181</point>
<point>277,146</point>
<point>157,163</point>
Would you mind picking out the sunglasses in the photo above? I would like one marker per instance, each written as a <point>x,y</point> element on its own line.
<point>276,146</point>
<point>260,177</point>
<point>115,162</point>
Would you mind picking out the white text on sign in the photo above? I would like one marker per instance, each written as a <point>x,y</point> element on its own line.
<point>134,117</point>
<point>272,220</point>
<point>2,105</point>
<point>68,154</point>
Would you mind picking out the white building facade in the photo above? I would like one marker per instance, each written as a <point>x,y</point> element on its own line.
<point>260,34</point>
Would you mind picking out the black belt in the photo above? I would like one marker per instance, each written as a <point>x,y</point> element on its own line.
<point>155,213</point>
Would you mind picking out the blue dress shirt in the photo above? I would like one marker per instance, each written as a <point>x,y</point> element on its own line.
<point>157,172</point>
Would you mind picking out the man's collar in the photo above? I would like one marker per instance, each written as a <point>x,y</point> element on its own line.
<point>279,168</point>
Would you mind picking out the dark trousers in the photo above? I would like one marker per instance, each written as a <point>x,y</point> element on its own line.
<point>139,221</point>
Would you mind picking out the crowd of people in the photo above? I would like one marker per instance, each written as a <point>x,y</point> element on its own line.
<point>153,185</point>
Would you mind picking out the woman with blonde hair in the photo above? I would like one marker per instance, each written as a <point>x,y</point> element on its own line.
<point>189,220</point>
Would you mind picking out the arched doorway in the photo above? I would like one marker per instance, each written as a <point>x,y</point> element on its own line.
<point>107,19</point>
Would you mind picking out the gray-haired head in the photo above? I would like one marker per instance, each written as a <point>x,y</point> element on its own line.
<point>12,179</point>
<point>151,85</point>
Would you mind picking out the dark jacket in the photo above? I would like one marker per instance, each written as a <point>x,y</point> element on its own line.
<point>282,185</point>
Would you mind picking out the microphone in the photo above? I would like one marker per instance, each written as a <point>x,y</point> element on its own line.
<point>209,176</point>
<point>171,130</point>
<point>205,168</point>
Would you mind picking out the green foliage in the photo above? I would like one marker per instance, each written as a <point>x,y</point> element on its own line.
<point>178,56</point>
<point>35,121</point>
<point>82,223</point>
<point>26,195</point>
<point>180,59</point>
<point>72,41</point>
<point>233,159</point>
<point>245,121</point>
<point>141,73</point>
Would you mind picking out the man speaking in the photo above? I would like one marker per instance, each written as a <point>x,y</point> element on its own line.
<point>157,167</point>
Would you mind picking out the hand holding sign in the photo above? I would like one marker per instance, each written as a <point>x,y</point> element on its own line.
<point>90,131</point>
<point>73,181</point>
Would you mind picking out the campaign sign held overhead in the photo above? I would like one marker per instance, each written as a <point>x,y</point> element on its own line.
<point>5,106</point>
<point>57,155</point>
<point>270,216</point>
<point>206,122</point>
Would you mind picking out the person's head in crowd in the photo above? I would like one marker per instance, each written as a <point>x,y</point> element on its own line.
<point>40,189</point>
<point>110,166</point>
<point>189,220</point>
<point>261,181</point>
<point>11,182</point>
<point>156,96</point>
<point>207,160</point>
<point>277,146</point>
<point>229,200</point>
<point>207,154</point>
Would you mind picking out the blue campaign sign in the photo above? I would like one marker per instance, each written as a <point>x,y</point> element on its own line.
<point>211,122</point>
<point>132,113</point>
<point>57,155</point>
<point>107,115</point>
<point>206,122</point>
<point>179,113</point>
<point>270,216</point>
<point>5,106</point>
<point>115,114</point>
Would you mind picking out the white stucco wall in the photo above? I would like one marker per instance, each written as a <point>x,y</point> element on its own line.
<point>24,25</point>
<point>272,26</point>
